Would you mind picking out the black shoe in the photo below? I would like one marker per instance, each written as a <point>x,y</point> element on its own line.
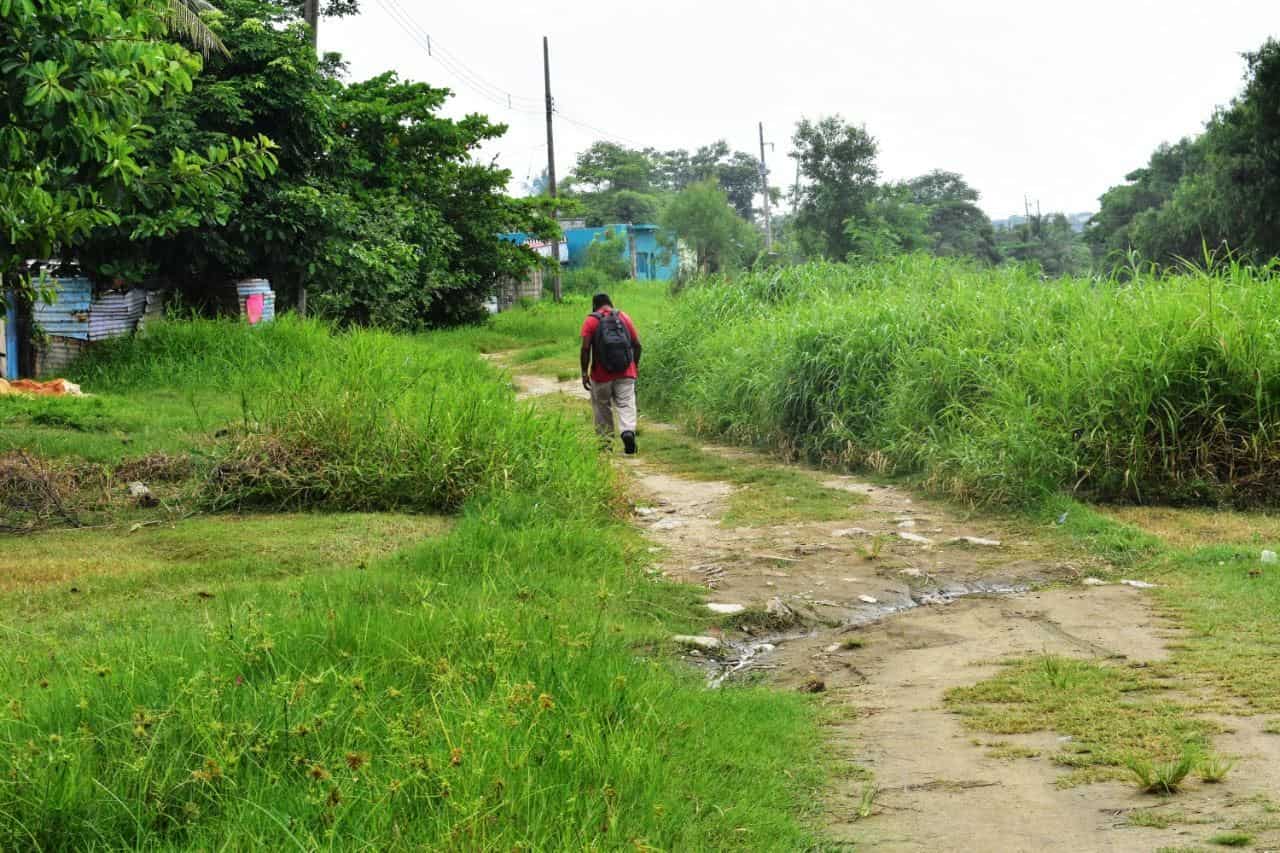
<point>629,443</point>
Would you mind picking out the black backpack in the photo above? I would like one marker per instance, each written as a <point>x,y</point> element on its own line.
<point>611,344</point>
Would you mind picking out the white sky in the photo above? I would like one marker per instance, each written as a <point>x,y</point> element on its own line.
<point>1055,100</point>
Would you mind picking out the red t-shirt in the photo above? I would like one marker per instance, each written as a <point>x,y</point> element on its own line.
<point>598,373</point>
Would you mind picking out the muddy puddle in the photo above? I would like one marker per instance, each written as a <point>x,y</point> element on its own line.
<point>738,656</point>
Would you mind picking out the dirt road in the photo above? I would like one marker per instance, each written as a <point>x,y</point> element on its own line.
<point>885,611</point>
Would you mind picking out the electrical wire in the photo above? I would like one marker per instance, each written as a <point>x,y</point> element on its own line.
<point>491,92</point>
<point>432,47</point>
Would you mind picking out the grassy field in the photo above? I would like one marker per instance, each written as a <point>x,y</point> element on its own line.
<point>473,661</point>
<point>990,385</point>
<point>384,605</point>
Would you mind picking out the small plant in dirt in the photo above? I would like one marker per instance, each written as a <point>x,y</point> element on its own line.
<point>867,802</point>
<point>1272,727</point>
<point>852,643</point>
<point>1057,672</point>
<point>1214,768</point>
<point>762,620</point>
<point>1162,777</point>
<point>813,684</point>
<point>1153,819</point>
<point>872,550</point>
<point>1232,839</point>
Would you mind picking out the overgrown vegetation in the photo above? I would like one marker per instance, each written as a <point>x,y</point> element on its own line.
<point>492,686</point>
<point>991,385</point>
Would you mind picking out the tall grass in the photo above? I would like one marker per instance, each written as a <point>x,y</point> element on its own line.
<point>493,689</point>
<point>358,420</point>
<point>994,385</point>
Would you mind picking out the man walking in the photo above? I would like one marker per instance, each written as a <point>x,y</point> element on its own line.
<point>610,356</point>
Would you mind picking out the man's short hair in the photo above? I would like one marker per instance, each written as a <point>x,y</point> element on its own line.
<point>600,300</point>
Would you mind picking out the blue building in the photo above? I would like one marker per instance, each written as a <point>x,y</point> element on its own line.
<point>654,262</point>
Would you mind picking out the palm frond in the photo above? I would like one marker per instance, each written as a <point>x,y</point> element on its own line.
<point>183,19</point>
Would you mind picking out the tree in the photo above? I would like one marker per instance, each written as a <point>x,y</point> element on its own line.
<point>80,83</point>
<point>605,254</point>
<point>957,226</point>
<point>837,164</point>
<point>379,207</point>
<point>183,19</point>
<point>1047,240</point>
<point>702,218</point>
<point>1111,233</point>
<point>1219,189</point>
<point>895,223</point>
<point>940,186</point>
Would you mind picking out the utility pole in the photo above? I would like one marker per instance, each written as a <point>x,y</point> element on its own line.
<point>764,188</point>
<point>310,14</point>
<point>551,161</point>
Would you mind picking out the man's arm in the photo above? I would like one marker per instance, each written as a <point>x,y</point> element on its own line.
<point>585,359</point>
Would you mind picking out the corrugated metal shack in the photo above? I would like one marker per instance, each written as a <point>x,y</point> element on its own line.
<point>77,319</point>
<point>509,291</point>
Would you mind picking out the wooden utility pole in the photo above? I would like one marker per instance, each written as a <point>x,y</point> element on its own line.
<point>551,161</point>
<point>764,189</point>
<point>310,14</point>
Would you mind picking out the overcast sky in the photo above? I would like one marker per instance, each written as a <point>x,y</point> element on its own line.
<point>1056,101</point>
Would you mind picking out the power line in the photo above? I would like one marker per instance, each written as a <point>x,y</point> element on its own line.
<point>606,134</point>
<point>446,58</point>
<point>474,80</point>
<point>434,49</point>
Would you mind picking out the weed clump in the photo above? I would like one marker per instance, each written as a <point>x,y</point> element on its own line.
<point>35,491</point>
<point>1161,777</point>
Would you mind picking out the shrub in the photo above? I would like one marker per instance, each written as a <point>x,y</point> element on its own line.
<point>585,281</point>
<point>356,420</point>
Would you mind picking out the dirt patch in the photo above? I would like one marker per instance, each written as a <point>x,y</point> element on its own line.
<point>940,787</point>
<point>891,607</point>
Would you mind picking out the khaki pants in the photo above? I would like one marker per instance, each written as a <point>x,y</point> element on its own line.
<point>619,394</point>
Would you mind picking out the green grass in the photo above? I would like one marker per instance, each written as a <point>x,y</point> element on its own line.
<point>767,493</point>
<point>58,576</point>
<point>1232,839</point>
<point>110,427</point>
<point>1228,653</point>
<point>372,681</point>
<point>1232,641</point>
<point>1113,716</point>
<point>989,384</point>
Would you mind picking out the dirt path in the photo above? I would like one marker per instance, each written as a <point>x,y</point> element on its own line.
<point>936,602</point>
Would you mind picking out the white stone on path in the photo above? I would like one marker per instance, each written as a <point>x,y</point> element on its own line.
<point>866,599</point>
<point>915,537</point>
<point>725,609</point>
<point>707,644</point>
<point>976,540</point>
